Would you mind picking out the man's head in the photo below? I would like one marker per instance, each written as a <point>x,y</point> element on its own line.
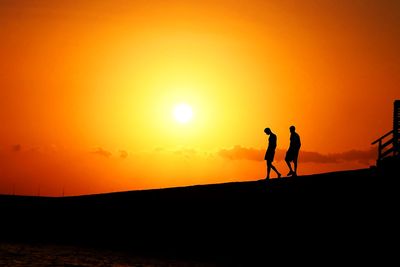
<point>292,129</point>
<point>267,131</point>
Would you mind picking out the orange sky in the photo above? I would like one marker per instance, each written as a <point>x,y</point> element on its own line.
<point>88,90</point>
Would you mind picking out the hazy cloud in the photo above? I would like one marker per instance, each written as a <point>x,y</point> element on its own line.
<point>361,156</point>
<point>239,152</point>
<point>38,149</point>
<point>123,154</point>
<point>16,148</point>
<point>102,152</point>
<point>186,152</point>
<point>243,153</point>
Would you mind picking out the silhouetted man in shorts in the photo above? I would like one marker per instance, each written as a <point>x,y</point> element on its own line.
<point>270,153</point>
<point>293,152</point>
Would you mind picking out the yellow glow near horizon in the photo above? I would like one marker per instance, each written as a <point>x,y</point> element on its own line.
<point>183,113</point>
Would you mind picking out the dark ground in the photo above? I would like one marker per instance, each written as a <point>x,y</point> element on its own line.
<point>341,218</point>
<point>43,255</point>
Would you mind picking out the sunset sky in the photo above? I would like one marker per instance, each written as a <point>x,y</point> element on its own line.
<point>88,89</point>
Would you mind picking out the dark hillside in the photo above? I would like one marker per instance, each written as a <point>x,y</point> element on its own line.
<point>328,215</point>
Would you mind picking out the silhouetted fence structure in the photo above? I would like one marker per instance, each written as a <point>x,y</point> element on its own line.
<point>388,144</point>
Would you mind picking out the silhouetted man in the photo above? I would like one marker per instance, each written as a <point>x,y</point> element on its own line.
<point>270,153</point>
<point>293,152</point>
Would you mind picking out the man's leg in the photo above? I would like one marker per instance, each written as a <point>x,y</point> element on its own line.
<point>290,167</point>
<point>275,170</point>
<point>268,168</point>
<point>288,158</point>
<point>295,162</point>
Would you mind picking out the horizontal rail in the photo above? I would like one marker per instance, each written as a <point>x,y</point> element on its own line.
<point>387,143</point>
<point>377,140</point>
<point>387,152</point>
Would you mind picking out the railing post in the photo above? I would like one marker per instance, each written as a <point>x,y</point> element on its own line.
<point>379,150</point>
<point>396,127</point>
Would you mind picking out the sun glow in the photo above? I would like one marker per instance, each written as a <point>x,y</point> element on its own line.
<point>183,113</point>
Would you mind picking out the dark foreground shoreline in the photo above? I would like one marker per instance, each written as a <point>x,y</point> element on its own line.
<point>46,255</point>
<point>342,217</point>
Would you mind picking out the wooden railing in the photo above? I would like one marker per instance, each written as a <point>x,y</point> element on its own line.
<point>396,128</point>
<point>386,146</point>
<point>389,144</point>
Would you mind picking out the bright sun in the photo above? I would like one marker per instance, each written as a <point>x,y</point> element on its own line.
<point>183,113</point>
